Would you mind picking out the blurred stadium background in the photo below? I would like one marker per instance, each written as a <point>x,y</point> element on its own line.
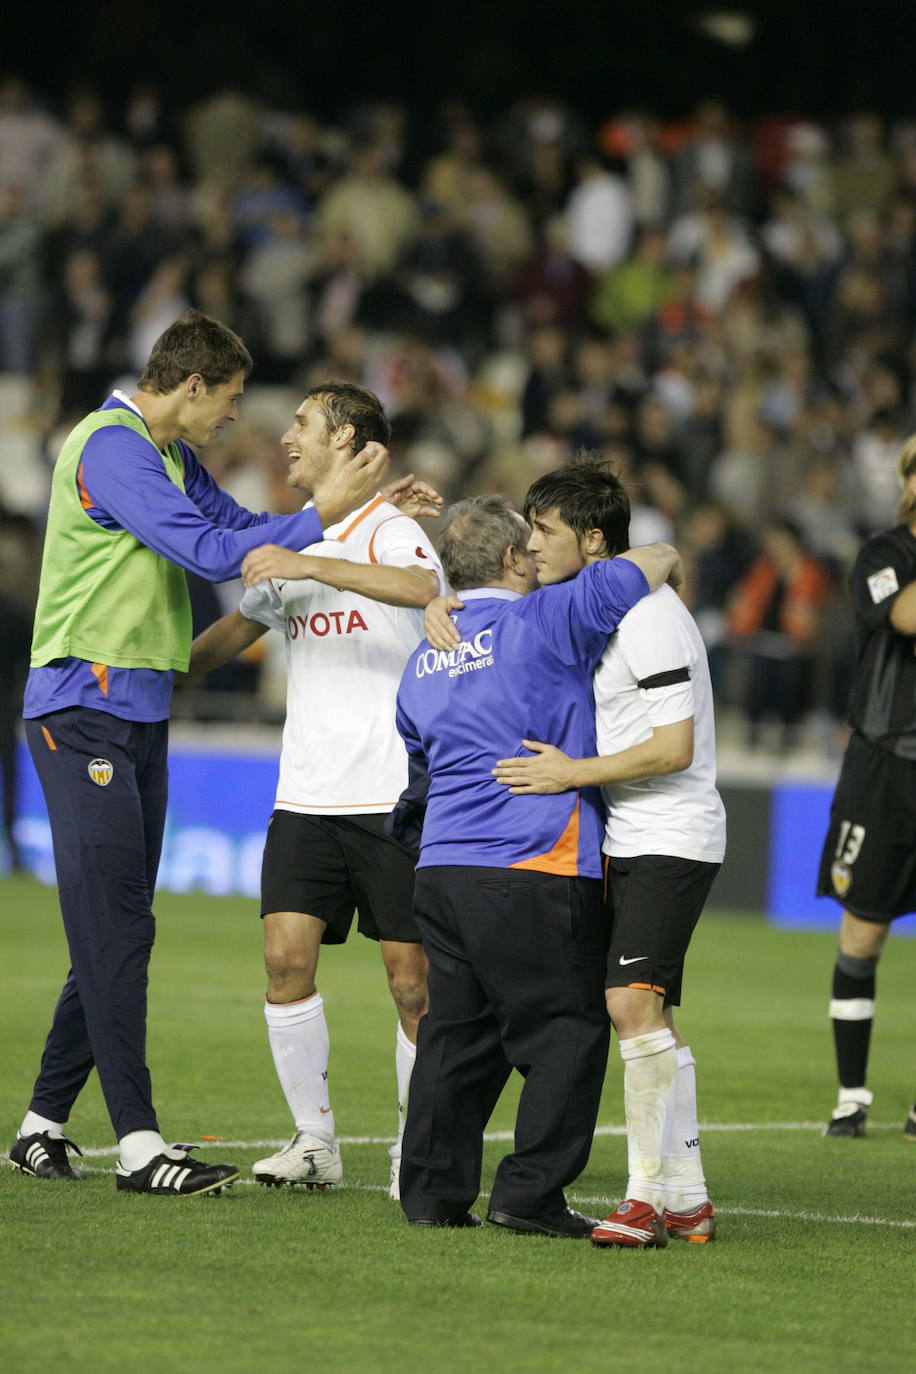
<point>685,236</point>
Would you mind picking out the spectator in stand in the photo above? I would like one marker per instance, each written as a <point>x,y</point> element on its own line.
<point>551,286</point>
<point>261,196</point>
<point>496,226</point>
<point>874,460</point>
<point>163,299</point>
<point>755,476</point>
<point>863,176</point>
<point>87,226</point>
<point>306,150</point>
<point>214,288</point>
<point>807,166</point>
<point>149,117</point>
<point>545,183</point>
<point>336,291</point>
<point>680,317</point>
<point>825,509</point>
<point>84,309</point>
<point>636,138</point>
<point>717,243</point>
<point>374,209</point>
<point>136,248</point>
<point>699,438</point>
<point>273,281</point>
<point>654,439</point>
<point>715,161</point>
<point>29,141</point>
<point>630,293</point>
<point>548,374</point>
<point>773,614</point>
<point>224,134</point>
<point>87,150</point>
<point>531,122</point>
<point>20,287</point>
<point>804,247</point>
<point>717,553</point>
<point>446,176</point>
<point>600,214</point>
<point>169,200</point>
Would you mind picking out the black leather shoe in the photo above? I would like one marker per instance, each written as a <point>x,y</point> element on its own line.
<point>43,1155</point>
<point>470,1219</point>
<point>568,1224</point>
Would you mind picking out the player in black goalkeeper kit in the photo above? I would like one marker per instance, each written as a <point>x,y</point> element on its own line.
<point>869,858</point>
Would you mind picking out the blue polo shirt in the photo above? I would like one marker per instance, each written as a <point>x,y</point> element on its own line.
<point>523,671</point>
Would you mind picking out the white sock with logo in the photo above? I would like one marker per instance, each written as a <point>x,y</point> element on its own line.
<point>405,1054</point>
<point>300,1045</point>
<point>685,1186</point>
<point>33,1124</point>
<point>650,1072</point>
<point>137,1148</point>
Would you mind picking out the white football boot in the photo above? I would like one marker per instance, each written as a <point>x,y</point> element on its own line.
<point>307,1159</point>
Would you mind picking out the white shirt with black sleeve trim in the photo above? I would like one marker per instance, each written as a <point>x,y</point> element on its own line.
<point>345,654</point>
<point>655,672</point>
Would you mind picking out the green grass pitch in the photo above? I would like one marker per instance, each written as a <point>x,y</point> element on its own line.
<point>813,1269</point>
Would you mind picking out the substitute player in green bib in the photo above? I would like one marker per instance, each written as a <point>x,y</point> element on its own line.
<point>131,508</point>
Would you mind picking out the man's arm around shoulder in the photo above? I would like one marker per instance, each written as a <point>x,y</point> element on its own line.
<point>411,586</point>
<point>658,563</point>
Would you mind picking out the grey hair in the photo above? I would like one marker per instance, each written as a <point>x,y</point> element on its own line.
<point>474,538</point>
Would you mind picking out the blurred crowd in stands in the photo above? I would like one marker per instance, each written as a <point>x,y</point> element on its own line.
<point>726,310</point>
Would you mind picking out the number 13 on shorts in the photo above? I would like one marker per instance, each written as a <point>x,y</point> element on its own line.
<point>850,842</point>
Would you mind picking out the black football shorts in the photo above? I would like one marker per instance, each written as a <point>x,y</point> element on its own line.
<point>654,902</point>
<point>868,863</point>
<point>326,866</point>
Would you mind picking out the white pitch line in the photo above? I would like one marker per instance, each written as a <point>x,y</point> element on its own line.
<point>352,1186</point>
<point>725,1127</point>
<point>781,1216</point>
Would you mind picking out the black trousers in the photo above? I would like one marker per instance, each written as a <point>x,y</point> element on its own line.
<point>516,980</point>
<point>105,782</point>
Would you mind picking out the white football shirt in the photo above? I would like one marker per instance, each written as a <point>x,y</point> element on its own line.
<point>680,814</point>
<point>345,654</point>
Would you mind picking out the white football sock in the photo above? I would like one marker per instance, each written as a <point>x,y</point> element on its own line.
<point>650,1072</point>
<point>404,1055</point>
<point>300,1045</point>
<point>858,1097</point>
<point>137,1148</point>
<point>685,1186</point>
<point>33,1124</point>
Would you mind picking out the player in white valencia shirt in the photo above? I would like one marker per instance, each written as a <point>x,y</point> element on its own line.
<point>664,842</point>
<point>350,609</point>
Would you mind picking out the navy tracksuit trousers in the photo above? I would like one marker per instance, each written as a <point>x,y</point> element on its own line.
<point>105,782</point>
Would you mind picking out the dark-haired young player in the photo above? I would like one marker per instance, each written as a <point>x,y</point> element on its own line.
<point>664,842</point>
